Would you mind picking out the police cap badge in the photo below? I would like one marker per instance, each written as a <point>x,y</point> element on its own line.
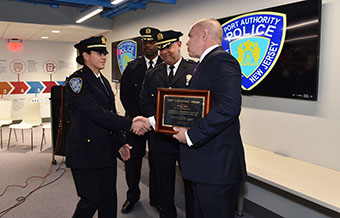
<point>166,38</point>
<point>148,33</point>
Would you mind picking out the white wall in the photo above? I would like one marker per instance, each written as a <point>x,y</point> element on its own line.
<point>305,130</point>
<point>34,54</point>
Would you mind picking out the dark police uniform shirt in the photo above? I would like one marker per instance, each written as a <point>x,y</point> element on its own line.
<point>158,78</point>
<point>95,132</point>
<point>131,84</point>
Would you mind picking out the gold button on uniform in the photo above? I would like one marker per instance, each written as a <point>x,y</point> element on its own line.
<point>136,85</point>
<point>88,140</point>
<point>152,95</point>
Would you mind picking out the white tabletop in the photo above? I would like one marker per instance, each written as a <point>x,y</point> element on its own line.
<point>315,183</point>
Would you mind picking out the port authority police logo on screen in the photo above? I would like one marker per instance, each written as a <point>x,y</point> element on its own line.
<point>126,52</point>
<point>255,40</point>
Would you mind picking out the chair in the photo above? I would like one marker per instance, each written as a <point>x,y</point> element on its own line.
<point>31,117</point>
<point>44,126</point>
<point>5,115</point>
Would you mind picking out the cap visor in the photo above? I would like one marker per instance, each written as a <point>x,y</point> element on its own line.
<point>100,50</point>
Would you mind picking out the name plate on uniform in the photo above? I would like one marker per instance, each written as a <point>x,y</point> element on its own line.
<point>180,107</point>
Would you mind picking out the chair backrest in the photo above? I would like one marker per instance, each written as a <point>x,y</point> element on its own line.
<point>5,110</point>
<point>31,113</point>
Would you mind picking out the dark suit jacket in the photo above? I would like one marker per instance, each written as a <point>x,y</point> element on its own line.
<point>94,134</point>
<point>131,84</point>
<point>158,78</point>
<point>217,156</point>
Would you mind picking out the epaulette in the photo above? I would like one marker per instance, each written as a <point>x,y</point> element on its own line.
<point>158,66</point>
<point>155,69</point>
<point>135,61</point>
<point>190,61</point>
<point>77,73</point>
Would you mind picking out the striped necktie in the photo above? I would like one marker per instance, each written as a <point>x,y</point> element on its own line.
<point>196,67</point>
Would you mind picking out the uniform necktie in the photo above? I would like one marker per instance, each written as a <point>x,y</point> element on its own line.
<point>150,65</point>
<point>171,73</point>
<point>102,82</point>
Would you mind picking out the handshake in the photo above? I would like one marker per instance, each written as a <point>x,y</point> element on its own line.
<point>140,125</point>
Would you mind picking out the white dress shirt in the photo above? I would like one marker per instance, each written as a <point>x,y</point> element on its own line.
<point>176,65</point>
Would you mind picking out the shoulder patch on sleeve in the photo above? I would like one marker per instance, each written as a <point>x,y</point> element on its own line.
<point>76,84</point>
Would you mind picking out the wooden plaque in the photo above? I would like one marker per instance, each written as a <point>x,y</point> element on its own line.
<point>180,107</point>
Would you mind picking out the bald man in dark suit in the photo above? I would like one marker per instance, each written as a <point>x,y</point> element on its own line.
<point>212,155</point>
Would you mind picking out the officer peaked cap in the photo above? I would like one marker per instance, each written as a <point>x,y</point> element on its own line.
<point>164,39</point>
<point>95,43</point>
<point>148,33</point>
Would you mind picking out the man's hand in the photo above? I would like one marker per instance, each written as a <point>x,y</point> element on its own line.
<point>180,134</point>
<point>140,125</point>
<point>124,151</point>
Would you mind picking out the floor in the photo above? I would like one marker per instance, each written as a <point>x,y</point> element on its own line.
<point>59,198</point>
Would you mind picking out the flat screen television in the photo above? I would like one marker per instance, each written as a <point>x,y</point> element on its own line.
<point>277,48</point>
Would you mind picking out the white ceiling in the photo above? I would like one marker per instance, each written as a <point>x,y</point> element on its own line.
<point>24,31</point>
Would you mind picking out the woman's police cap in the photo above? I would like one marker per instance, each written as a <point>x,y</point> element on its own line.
<point>95,43</point>
<point>164,39</point>
<point>148,33</point>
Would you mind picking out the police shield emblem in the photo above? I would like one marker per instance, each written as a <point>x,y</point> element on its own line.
<point>126,51</point>
<point>255,40</point>
<point>76,84</point>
